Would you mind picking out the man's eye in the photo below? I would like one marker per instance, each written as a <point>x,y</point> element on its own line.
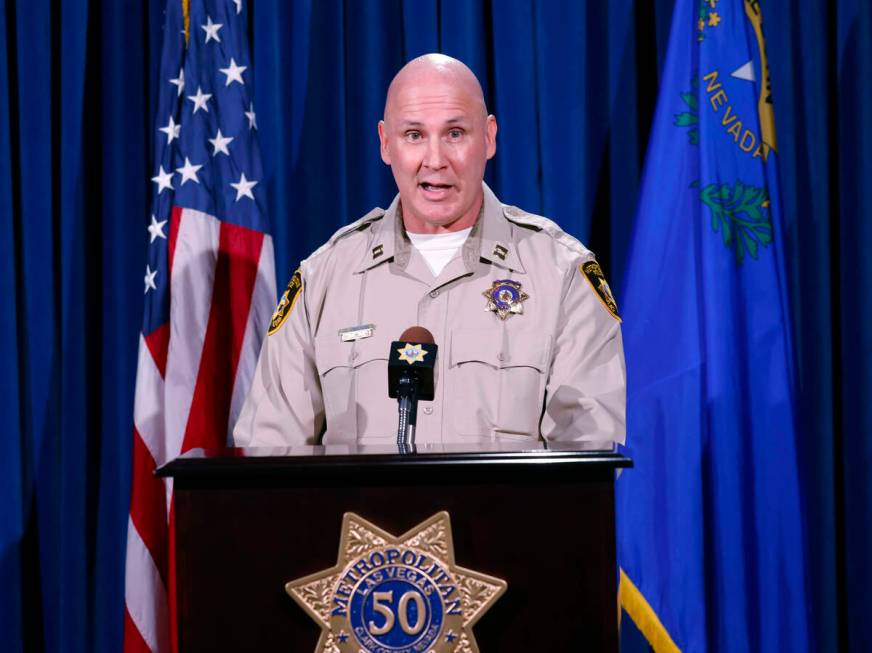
<point>454,134</point>
<point>413,135</point>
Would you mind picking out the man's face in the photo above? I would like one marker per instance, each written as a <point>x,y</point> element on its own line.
<point>437,139</point>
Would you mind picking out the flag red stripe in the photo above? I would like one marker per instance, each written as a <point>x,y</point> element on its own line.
<point>236,268</point>
<point>133,641</point>
<point>158,342</point>
<point>148,505</point>
<point>175,220</point>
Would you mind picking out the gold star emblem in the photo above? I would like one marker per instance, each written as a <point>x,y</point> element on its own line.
<point>714,19</point>
<point>396,593</point>
<point>411,353</point>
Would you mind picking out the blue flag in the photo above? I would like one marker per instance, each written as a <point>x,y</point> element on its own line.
<point>710,529</point>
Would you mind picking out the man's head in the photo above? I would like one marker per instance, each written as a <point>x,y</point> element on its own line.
<point>437,137</point>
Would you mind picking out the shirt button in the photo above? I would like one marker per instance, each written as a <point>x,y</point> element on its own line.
<point>501,356</point>
<point>354,355</point>
<point>428,410</point>
<point>434,294</point>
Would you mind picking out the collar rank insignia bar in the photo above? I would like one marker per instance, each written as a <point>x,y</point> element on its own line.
<point>504,298</point>
<point>400,594</point>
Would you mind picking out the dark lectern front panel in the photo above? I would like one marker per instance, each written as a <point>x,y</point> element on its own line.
<point>542,521</point>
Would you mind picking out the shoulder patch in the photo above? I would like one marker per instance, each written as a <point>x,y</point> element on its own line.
<point>286,303</point>
<point>591,271</point>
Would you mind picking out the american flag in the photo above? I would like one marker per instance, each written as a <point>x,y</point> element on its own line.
<point>209,283</point>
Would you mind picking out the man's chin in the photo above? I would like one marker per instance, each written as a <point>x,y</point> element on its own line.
<point>435,213</point>
<point>422,222</point>
<point>429,216</point>
<point>439,219</point>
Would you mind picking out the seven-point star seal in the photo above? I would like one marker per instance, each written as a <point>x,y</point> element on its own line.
<point>411,353</point>
<point>504,298</point>
<point>401,594</point>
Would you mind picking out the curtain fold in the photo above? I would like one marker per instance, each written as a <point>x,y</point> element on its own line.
<point>573,86</point>
<point>854,301</point>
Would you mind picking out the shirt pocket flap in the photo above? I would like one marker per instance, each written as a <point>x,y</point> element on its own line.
<point>489,347</point>
<point>331,353</point>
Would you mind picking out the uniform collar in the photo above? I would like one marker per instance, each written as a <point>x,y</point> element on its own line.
<point>491,239</point>
<point>388,241</point>
<point>497,244</point>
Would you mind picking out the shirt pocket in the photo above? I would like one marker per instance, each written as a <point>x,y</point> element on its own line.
<point>496,384</point>
<point>354,384</point>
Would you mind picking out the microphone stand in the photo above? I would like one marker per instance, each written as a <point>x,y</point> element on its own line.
<point>407,396</point>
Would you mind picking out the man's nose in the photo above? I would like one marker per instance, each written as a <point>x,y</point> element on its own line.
<point>434,157</point>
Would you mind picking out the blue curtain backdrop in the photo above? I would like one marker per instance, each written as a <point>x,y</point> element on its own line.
<point>573,86</point>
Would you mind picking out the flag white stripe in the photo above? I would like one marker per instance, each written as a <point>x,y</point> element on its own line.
<point>193,276</point>
<point>148,412</point>
<point>145,594</point>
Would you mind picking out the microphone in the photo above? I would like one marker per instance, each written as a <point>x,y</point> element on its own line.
<point>410,378</point>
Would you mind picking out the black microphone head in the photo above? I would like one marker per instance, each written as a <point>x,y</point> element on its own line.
<point>413,357</point>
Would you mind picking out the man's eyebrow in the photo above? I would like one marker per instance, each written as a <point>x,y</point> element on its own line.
<point>451,121</point>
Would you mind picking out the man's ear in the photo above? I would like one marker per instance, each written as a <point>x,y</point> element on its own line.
<point>383,140</point>
<point>490,136</point>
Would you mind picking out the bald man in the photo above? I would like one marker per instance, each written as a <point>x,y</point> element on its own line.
<point>528,331</point>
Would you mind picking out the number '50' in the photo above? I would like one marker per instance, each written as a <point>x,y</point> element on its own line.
<point>381,603</point>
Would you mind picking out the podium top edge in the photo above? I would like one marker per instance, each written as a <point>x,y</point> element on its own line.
<point>197,462</point>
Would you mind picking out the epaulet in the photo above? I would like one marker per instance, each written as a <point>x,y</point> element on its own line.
<point>357,225</point>
<point>373,215</point>
<point>549,227</point>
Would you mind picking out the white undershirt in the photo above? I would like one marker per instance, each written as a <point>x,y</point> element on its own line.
<point>439,249</point>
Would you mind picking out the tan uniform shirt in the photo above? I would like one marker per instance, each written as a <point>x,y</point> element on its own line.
<point>554,370</point>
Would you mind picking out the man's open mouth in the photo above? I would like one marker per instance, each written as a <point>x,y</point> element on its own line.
<point>434,187</point>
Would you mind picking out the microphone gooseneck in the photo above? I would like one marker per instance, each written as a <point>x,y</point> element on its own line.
<point>408,412</point>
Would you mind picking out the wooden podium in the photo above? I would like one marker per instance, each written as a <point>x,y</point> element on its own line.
<point>249,520</point>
